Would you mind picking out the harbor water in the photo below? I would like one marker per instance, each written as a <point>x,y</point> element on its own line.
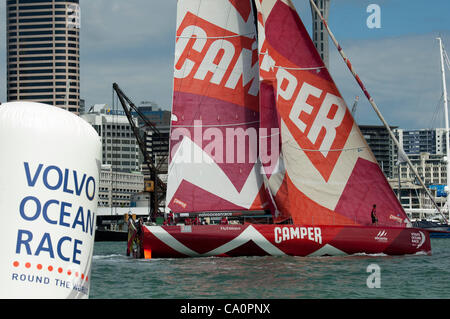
<point>116,276</point>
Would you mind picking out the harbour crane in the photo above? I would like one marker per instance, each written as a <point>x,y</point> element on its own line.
<point>155,186</point>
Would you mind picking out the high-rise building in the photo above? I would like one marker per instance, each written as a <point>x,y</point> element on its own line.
<point>418,141</point>
<point>379,141</point>
<point>320,35</point>
<point>43,52</point>
<point>119,145</point>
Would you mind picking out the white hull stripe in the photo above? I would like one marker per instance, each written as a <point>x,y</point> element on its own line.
<point>327,250</point>
<point>249,234</point>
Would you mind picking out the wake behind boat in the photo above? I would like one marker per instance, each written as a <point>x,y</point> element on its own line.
<point>259,125</point>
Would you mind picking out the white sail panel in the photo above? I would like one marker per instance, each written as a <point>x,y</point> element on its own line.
<point>215,109</point>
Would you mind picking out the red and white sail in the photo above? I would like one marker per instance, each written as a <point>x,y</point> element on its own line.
<point>215,115</point>
<point>330,175</point>
<point>296,135</point>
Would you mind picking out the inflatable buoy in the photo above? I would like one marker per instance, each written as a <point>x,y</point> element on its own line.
<point>49,176</point>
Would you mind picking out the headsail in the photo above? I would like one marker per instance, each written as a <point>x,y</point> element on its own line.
<point>215,115</point>
<point>331,176</point>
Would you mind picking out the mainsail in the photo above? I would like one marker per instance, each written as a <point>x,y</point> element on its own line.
<point>330,176</point>
<point>215,115</point>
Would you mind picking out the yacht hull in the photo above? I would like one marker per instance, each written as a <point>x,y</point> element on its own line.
<point>278,240</point>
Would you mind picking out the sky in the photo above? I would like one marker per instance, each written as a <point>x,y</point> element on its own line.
<point>132,43</point>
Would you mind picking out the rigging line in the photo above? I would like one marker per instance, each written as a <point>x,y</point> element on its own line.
<point>436,112</point>
<point>217,125</point>
<point>359,149</point>
<point>300,69</point>
<point>221,37</point>
<point>446,58</point>
<point>291,68</point>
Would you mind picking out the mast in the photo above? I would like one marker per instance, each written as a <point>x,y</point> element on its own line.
<point>375,107</point>
<point>444,86</point>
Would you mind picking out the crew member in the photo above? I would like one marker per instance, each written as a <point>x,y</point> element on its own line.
<point>373,215</point>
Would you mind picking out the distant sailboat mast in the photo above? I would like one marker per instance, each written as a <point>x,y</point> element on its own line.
<point>444,86</point>
<point>375,107</point>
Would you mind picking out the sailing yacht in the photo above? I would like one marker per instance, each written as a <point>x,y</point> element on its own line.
<point>439,229</point>
<point>259,126</point>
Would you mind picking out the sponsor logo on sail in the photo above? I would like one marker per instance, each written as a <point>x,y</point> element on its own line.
<point>381,236</point>
<point>179,202</point>
<point>215,61</point>
<point>396,218</point>
<point>418,239</point>
<point>315,114</point>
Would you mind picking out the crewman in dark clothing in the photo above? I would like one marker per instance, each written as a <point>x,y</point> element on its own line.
<point>373,215</point>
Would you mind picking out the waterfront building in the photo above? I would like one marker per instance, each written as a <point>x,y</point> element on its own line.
<point>158,147</point>
<point>43,52</point>
<point>117,189</point>
<point>433,172</point>
<point>154,114</point>
<point>378,138</point>
<point>430,167</point>
<point>422,140</point>
<point>119,146</point>
<point>320,35</point>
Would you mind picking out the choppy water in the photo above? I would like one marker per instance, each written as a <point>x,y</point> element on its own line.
<point>114,275</point>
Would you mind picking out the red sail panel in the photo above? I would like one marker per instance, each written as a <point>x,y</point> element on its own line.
<point>215,113</point>
<point>270,137</point>
<point>331,175</point>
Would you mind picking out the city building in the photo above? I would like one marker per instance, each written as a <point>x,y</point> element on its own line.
<point>154,114</point>
<point>320,34</point>
<point>433,172</point>
<point>117,189</point>
<point>119,146</point>
<point>43,52</point>
<point>379,140</point>
<point>430,167</point>
<point>418,141</point>
<point>158,147</point>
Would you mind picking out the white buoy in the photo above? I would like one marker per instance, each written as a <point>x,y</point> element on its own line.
<point>49,176</point>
